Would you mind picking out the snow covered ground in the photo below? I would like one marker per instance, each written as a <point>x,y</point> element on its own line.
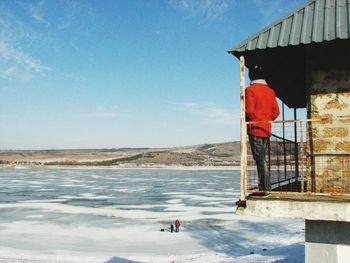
<point>116,216</point>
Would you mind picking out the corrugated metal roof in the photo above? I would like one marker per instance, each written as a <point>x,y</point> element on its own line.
<point>316,21</point>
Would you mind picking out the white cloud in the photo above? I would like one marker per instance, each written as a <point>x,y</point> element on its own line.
<point>13,28</point>
<point>9,72</point>
<point>21,42</point>
<point>211,113</point>
<point>210,10</point>
<point>36,12</point>
<point>66,16</point>
<point>271,10</point>
<point>105,113</point>
<point>17,64</point>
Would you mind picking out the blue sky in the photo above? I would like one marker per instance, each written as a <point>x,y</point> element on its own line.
<point>123,73</point>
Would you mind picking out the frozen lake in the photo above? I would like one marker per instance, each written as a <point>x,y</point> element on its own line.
<point>115,215</point>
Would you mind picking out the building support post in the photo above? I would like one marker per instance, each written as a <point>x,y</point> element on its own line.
<point>327,241</point>
<point>296,148</point>
<point>243,131</point>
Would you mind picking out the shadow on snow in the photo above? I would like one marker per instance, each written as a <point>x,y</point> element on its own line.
<point>237,239</point>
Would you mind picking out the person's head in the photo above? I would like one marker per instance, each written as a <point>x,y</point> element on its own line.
<point>256,72</point>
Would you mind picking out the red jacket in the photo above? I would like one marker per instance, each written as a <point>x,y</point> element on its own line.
<point>261,105</point>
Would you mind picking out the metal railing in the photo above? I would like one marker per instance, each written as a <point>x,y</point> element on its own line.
<point>303,156</point>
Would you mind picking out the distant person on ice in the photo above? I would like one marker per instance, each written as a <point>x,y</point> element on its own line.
<point>177,225</point>
<point>261,105</point>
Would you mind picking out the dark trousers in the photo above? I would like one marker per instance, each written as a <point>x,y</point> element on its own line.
<point>259,146</point>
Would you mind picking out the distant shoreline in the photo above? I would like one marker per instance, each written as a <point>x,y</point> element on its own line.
<point>219,156</point>
<point>165,167</point>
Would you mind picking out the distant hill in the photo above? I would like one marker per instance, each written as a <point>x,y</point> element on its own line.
<point>216,154</point>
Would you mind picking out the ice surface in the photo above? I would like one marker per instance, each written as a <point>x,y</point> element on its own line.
<point>115,216</point>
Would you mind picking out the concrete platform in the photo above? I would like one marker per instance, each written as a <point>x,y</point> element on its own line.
<point>306,206</point>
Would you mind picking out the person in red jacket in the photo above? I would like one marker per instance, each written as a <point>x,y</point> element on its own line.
<point>261,107</point>
<point>177,225</point>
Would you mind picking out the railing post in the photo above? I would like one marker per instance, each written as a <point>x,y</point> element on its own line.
<point>243,131</point>
<point>284,144</point>
<point>302,156</point>
<point>296,147</point>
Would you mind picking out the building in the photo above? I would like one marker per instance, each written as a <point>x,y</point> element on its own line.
<point>306,55</point>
